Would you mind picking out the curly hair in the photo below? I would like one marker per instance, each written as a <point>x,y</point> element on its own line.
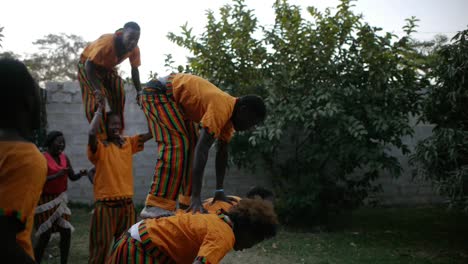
<point>259,191</point>
<point>255,215</point>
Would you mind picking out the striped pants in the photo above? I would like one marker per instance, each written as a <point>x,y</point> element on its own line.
<point>112,88</point>
<point>176,140</point>
<point>109,221</point>
<point>128,250</point>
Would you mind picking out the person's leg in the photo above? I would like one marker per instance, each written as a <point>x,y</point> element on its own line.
<point>87,96</point>
<point>126,218</point>
<point>166,122</point>
<point>65,238</point>
<point>186,191</point>
<point>41,246</point>
<point>101,233</point>
<point>115,93</point>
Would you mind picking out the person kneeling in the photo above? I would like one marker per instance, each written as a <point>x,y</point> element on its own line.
<point>196,238</point>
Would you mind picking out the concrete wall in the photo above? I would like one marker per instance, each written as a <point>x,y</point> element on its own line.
<point>65,113</point>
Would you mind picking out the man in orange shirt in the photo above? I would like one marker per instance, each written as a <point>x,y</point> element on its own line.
<point>176,107</point>
<point>23,167</point>
<point>114,211</point>
<point>97,74</point>
<point>196,238</point>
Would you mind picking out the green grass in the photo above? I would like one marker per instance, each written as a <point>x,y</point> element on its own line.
<point>393,236</point>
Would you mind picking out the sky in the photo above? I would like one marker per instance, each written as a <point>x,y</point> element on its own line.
<point>24,21</point>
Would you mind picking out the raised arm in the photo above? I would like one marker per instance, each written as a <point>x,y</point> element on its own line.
<point>200,157</point>
<point>94,127</point>
<point>146,137</point>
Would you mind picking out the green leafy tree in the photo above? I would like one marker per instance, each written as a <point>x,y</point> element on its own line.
<point>57,57</point>
<point>339,94</point>
<point>442,158</point>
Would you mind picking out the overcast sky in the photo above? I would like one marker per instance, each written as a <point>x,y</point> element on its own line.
<point>28,20</point>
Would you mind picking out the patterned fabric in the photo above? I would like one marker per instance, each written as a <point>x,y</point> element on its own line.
<point>43,217</point>
<point>222,215</point>
<point>128,250</point>
<point>109,221</point>
<point>202,260</point>
<point>112,88</point>
<point>176,140</point>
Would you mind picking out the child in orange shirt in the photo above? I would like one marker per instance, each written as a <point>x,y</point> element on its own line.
<point>196,238</point>
<point>23,167</point>
<point>114,211</point>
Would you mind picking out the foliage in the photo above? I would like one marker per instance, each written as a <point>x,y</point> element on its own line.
<point>339,95</point>
<point>57,57</point>
<point>442,158</point>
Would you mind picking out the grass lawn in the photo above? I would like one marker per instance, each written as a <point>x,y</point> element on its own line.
<point>393,236</point>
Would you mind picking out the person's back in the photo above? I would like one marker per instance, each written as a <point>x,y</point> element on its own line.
<point>23,168</point>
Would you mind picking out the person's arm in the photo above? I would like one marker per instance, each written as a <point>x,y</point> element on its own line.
<point>56,175</point>
<point>90,68</point>
<point>71,173</point>
<point>93,128</point>
<point>221,164</point>
<point>136,78</point>
<point>146,137</point>
<point>11,252</point>
<point>200,157</point>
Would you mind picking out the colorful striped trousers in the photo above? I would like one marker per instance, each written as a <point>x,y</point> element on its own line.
<point>112,88</point>
<point>176,139</point>
<point>128,250</point>
<point>109,221</point>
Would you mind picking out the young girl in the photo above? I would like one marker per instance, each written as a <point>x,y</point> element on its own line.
<point>196,238</point>
<point>52,213</point>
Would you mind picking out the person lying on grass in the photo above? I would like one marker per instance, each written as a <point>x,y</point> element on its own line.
<point>196,238</point>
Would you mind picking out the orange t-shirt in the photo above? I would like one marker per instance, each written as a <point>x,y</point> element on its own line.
<point>102,52</point>
<point>204,103</point>
<point>213,208</point>
<point>185,237</point>
<point>114,168</point>
<point>23,171</point>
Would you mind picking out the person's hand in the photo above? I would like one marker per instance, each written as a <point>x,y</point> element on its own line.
<point>221,196</point>
<point>83,173</point>
<point>98,95</point>
<point>196,206</point>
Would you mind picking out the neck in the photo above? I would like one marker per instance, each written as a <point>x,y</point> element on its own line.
<point>119,46</point>
<point>11,134</point>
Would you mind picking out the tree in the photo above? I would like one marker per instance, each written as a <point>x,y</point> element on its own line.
<point>442,158</point>
<point>339,94</point>
<point>57,57</point>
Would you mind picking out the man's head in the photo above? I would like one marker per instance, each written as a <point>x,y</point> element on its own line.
<point>262,193</point>
<point>19,100</point>
<point>113,126</point>
<point>254,221</point>
<point>131,35</point>
<point>248,111</point>
<point>55,143</point>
